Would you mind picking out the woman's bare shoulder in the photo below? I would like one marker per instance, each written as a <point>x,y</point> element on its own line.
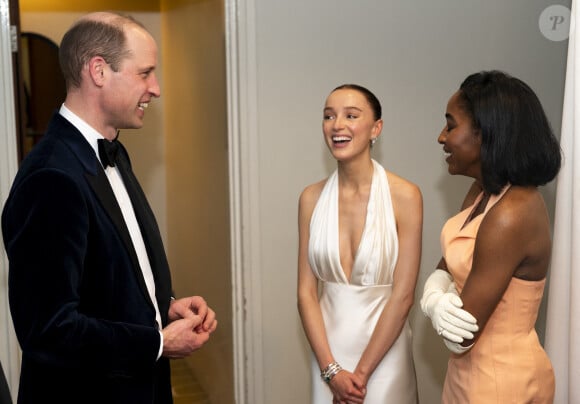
<point>311,193</point>
<point>520,216</point>
<point>519,205</point>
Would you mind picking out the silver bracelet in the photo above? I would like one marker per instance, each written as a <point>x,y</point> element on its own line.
<point>330,371</point>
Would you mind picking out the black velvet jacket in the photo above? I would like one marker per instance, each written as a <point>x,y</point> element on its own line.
<point>82,314</point>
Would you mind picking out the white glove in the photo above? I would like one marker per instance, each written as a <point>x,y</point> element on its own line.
<point>456,347</point>
<point>442,304</point>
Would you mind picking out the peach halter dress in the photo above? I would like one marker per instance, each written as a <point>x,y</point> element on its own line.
<point>507,364</point>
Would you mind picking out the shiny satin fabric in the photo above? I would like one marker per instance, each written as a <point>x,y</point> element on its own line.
<point>351,308</point>
<point>378,250</point>
<point>350,315</point>
<point>507,364</point>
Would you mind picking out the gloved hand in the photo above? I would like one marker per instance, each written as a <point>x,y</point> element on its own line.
<point>442,304</point>
<point>456,347</point>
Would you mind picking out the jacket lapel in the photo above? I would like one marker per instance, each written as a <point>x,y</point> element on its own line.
<point>98,181</point>
<point>102,188</point>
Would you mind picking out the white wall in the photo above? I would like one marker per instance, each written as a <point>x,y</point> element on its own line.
<point>413,55</point>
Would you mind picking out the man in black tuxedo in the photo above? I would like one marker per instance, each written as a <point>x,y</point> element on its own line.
<point>89,285</point>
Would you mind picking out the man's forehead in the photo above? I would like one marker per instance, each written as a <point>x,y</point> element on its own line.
<point>142,49</point>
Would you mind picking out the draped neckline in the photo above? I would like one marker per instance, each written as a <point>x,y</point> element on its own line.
<point>357,254</point>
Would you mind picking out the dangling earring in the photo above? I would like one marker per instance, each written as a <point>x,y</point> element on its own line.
<point>373,141</point>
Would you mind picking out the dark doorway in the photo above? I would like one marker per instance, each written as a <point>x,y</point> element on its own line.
<point>43,86</point>
<point>38,82</point>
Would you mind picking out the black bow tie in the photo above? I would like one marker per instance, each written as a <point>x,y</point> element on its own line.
<point>108,152</point>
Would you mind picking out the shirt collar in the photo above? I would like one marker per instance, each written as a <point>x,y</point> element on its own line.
<point>88,132</point>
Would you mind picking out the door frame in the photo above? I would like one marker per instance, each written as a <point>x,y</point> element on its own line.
<point>244,201</point>
<point>9,349</point>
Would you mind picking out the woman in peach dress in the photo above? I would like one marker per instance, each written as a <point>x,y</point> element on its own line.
<point>484,296</point>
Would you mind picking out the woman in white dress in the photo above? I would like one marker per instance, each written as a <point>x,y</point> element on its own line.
<point>359,255</point>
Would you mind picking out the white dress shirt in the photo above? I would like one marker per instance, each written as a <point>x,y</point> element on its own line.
<point>116,181</point>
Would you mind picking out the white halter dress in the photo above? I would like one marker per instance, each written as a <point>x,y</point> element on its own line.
<point>352,308</point>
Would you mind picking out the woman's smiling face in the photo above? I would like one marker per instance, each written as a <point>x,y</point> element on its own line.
<point>349,123</point>
<point>461,141</point>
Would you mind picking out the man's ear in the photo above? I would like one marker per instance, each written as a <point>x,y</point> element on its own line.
<point>97,66</point>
